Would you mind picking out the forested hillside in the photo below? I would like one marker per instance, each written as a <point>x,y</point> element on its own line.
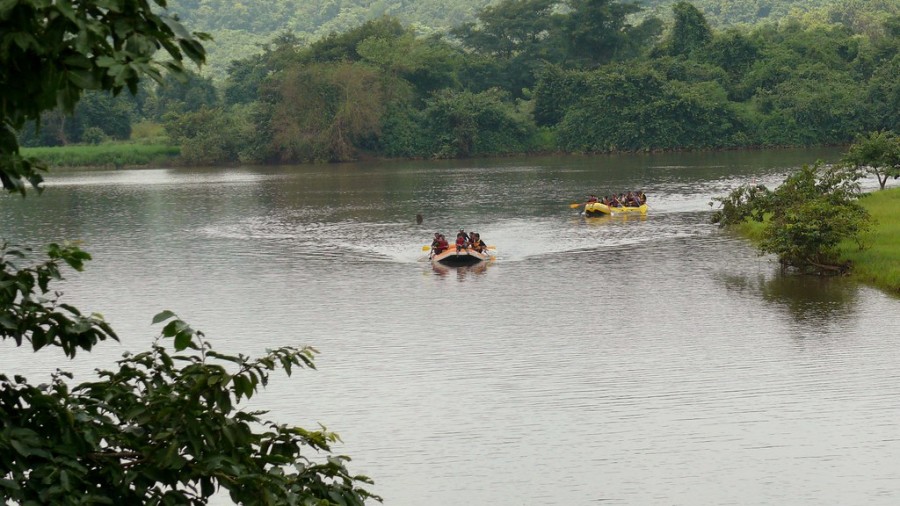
<point>859,14</point>
<point>315,18</point>
<point>239,27</point>
<point>526,76</point>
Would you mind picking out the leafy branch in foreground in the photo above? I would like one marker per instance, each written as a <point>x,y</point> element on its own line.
<point>50,52</point>
<point>805,218</point>
<point>39,318</point>
<point>162,428</point>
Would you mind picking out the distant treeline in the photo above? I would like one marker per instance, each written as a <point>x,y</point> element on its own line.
<point>527,76</point>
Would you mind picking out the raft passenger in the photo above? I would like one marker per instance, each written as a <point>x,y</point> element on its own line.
<point>439,244</point>
<point>482,247</point>
<point>461,240</point>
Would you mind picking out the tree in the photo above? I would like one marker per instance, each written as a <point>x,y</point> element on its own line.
<point>691,31</point>
<point>424,64</point>
<point>512,37</point>
<point>161,429</point>
<point>327,111</point>
<point>594,32</point>
<point>805,218</point>
<point>207,136</point>
<point>96,110</point>
<point>182,93</point>
<point>149,432</point>
<point>247,76</point>
<point>634,107</point>
<point>466,124</point>
<point>878,154</point>
<point>509,28</point>
<point>336,47</point>
<point>555,92</point>
<point>50,52</point>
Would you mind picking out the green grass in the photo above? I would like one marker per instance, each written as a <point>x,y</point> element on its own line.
<point>879,263</point>
<point>752,230</point>
<point>114,154</point>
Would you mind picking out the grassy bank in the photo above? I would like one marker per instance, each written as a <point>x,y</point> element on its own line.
<point>105,155</point>
<point>879,263</point>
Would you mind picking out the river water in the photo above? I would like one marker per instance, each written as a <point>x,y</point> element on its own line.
<point>599,360</point>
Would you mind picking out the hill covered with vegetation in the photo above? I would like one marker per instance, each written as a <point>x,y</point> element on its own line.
<point>240,28</point>
<point>526,76</point>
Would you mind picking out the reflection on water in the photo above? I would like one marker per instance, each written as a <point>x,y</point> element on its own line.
<point>461,272</point>
<point>599,220</point>
<point>812,299</point>
<point>806,299</point>
<point>623,360</point>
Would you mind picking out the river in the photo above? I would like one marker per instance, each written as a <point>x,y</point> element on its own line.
<point>596,360</point>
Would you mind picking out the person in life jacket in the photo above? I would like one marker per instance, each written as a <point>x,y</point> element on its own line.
<point>439,244</point>
<point>477,244</point>
<point>462,240</point>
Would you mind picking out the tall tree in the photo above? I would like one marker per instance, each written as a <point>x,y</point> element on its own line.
<point>690,31</point>
<point>594,32</point>
<point>509,28</point>
<point>513,38</point>
<point>342,46</point>
<point>327,111</point>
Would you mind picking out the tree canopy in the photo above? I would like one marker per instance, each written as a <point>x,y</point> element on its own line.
<point>877,154</point>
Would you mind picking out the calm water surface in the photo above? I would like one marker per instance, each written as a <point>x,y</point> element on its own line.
<point>596,361</point>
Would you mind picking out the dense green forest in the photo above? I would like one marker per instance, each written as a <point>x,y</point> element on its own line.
<point>239,28</point>
<point>519,76</point>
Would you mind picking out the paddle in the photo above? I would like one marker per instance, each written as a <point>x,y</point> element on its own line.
<point>575,205</point>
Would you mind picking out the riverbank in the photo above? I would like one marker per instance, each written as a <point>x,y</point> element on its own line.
<point>879,263</point>
<point>115,155</point>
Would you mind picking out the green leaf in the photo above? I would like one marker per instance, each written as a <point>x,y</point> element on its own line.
<point>183,340</point>
<point>106,61</point>
<point>5,483</point>
<point>162,316</point>
<point>7,322</point>
<point>20,448</point>
<point>83,79</point>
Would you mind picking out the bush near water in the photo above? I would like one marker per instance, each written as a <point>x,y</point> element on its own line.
<point>818,221</point>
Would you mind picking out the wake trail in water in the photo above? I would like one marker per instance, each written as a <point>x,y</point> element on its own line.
<point>676,211</point>
<point>515,240</point>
